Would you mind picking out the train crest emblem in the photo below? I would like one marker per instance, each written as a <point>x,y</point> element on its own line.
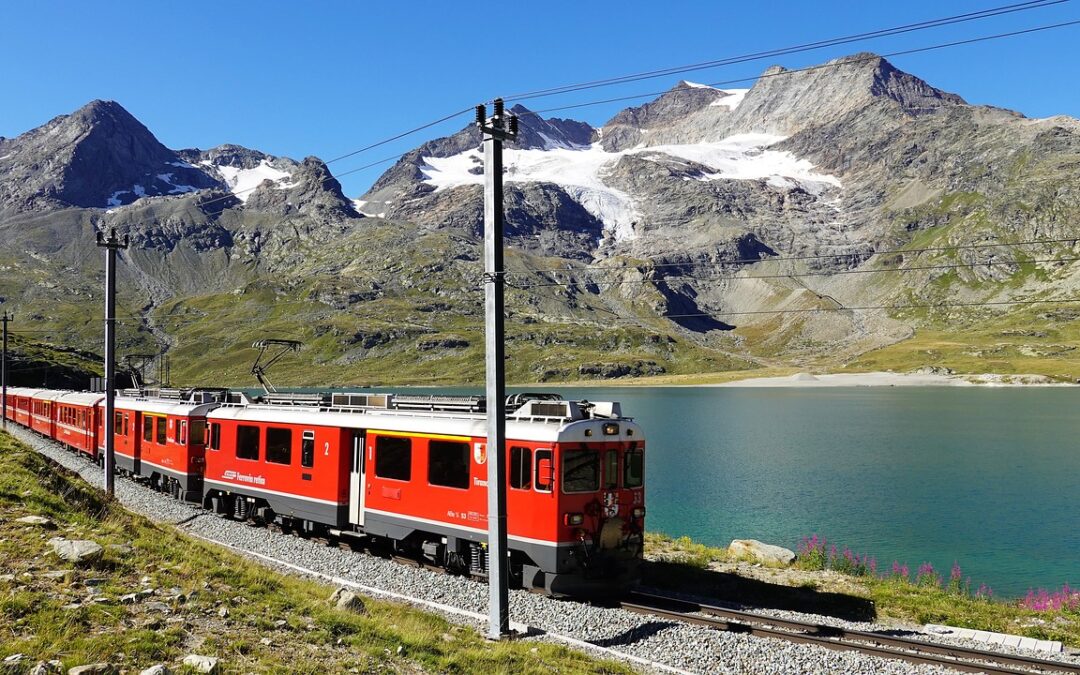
<point>479,453</point>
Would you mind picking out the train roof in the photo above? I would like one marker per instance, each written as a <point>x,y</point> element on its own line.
<point>49,394</point>
<point>553,421</point>
<point>81,398</point>
<point>164,406</point>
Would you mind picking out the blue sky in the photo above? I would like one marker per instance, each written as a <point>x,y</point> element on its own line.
<point>325,78</point>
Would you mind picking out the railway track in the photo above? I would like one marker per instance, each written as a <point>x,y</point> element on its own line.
<point>833,637</point>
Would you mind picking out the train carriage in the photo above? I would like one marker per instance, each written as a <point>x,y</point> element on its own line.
<point>43,411</point>
<point>379,466</point>
<point>77,415</point>
<point>162,440</point>
<point>19,404</point>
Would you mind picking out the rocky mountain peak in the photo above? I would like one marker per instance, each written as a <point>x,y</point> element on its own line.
<point>98,156</point>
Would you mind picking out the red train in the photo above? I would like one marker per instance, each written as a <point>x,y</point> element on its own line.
<point>406,471</point>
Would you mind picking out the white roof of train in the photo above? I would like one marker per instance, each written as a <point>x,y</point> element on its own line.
<point>81,398</point>
<point>163,406</point>
<point>473,425</point>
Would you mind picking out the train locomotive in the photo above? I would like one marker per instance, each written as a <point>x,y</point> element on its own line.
<point>404,472</point>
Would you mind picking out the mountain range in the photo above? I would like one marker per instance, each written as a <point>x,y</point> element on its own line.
<point>706,230</point>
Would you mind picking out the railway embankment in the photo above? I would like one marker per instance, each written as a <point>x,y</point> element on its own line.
<point>84,582</point>
<point>825,581</point>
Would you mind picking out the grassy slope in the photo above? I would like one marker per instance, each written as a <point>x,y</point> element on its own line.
<point>317,638</point>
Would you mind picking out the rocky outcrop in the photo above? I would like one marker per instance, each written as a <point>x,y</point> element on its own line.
<point>77,551</point>
<point>755,550</point>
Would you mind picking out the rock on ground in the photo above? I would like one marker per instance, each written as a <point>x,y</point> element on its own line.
<point>347,600</point>
<point>203,664</point>
<point>94,669</point>
<point>76,550</point>
<point>40,521</point>
<point>158,669</point>
<point>767,553</point>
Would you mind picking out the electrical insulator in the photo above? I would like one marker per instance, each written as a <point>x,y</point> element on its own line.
<point>481,114</point>
<point>498,107</point>
<point>513,125</point>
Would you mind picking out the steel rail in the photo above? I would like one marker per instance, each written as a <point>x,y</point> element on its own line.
<point>838,638</point>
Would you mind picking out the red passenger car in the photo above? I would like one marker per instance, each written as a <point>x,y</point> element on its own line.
<point>19,405</point>
<point>77,415</point>
<point>382,466</point>
<point>43,411</point>
<point>162,440</point>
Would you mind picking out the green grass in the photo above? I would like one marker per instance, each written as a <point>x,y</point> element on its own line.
<point>317,637</point>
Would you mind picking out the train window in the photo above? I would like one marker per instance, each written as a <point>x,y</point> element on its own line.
<point>247,442</point>
<point>279,445</point>
<point>307,450</point>
<point>448,464</point>
<point>118,424</point>
<point>581,470</point>
<point>181,432</point>
<point>198,432</point>
<point>162,437</point>
<point>611,469</point>
<point>148,429</point>
<point>520,468</point>
<point>215,436</point>
<point>634,471</point>
<point>125,424</point>
<point>393,457</point>
<point>545,476</point>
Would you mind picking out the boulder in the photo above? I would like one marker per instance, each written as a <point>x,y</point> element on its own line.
<point>348,601</point>
<point>202,664</point>
<point>756,550</point>
<point>76,551</point>
<point>94,669</point>
<point>39,521</point>
<point>159,669</point>
<point>53,667</point>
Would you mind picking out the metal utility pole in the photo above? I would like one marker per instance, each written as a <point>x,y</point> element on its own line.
<point>3,366</point>
<point>496,129</point>
<point>111,246</point>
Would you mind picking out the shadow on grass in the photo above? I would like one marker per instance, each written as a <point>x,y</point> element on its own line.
<point>742,593</point>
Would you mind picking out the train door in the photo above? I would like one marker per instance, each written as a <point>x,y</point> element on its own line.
<point>357,478</point>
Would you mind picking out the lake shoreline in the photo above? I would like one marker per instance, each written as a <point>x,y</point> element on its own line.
<point>889,379</point>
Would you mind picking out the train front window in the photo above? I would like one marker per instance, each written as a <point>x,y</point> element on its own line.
<point>611,469</point>
<point>634,471</point>
<point>581,471</point>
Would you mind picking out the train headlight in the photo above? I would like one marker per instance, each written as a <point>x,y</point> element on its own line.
<point>638,512</point>
<point>573,519</point>
<point>611,429</point>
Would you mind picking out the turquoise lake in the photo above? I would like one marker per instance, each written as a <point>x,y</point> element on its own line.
<point>987,477</point>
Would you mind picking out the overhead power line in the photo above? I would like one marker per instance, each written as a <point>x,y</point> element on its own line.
<point>924,25</point>
<point>808,69</point>
<point>784,51</point>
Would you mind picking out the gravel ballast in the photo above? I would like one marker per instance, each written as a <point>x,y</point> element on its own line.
<point>665,643</point>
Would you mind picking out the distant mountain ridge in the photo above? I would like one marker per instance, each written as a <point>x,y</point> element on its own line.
<point>706,229</point>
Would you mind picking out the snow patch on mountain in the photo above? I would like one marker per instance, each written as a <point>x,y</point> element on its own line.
<point>581,171</point>
<point>242,182</point>
<point>732,100</point>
